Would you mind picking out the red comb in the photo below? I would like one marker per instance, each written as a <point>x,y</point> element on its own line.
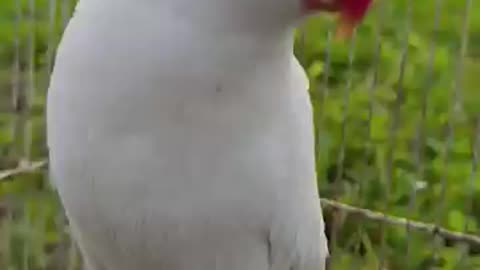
<point>354,9</point>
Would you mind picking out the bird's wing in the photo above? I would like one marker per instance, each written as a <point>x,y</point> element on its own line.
<point>299,243</point>
<point>297,239</point>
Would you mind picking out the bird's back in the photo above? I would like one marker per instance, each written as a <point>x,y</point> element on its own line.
<point>179,150</point>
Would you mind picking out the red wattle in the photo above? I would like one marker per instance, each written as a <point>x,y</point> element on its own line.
<point>354,9</point>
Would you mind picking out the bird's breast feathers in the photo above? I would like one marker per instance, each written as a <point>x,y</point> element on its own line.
<point>152,155</point>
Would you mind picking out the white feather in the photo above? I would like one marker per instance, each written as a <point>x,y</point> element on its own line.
<point>178,145</point>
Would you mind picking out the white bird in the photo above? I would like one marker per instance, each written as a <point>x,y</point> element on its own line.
<point>180,136</point>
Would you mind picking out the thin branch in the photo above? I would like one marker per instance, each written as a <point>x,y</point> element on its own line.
<point>398,221</point>
<point>326,203</point>
<point>23,168</point>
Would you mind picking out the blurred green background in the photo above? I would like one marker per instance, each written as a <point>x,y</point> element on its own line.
<point>397,116</point>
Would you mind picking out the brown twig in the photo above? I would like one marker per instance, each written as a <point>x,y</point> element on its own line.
<point>446,234</point>
<point>22,168</point>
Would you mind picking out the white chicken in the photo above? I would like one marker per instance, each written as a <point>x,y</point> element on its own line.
<point>180,136</point>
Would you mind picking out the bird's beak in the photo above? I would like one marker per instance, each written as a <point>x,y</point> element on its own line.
<point>345,27</point>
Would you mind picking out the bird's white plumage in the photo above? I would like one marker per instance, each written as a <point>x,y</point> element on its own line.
<point>183,144</point>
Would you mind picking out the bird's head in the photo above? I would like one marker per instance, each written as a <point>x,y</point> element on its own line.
<point>350,12</point>
<point>260,15</point>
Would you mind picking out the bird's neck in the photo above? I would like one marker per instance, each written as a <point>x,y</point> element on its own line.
<point>234,16</point>
<point>236,19</point>
<point>172,35</point>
